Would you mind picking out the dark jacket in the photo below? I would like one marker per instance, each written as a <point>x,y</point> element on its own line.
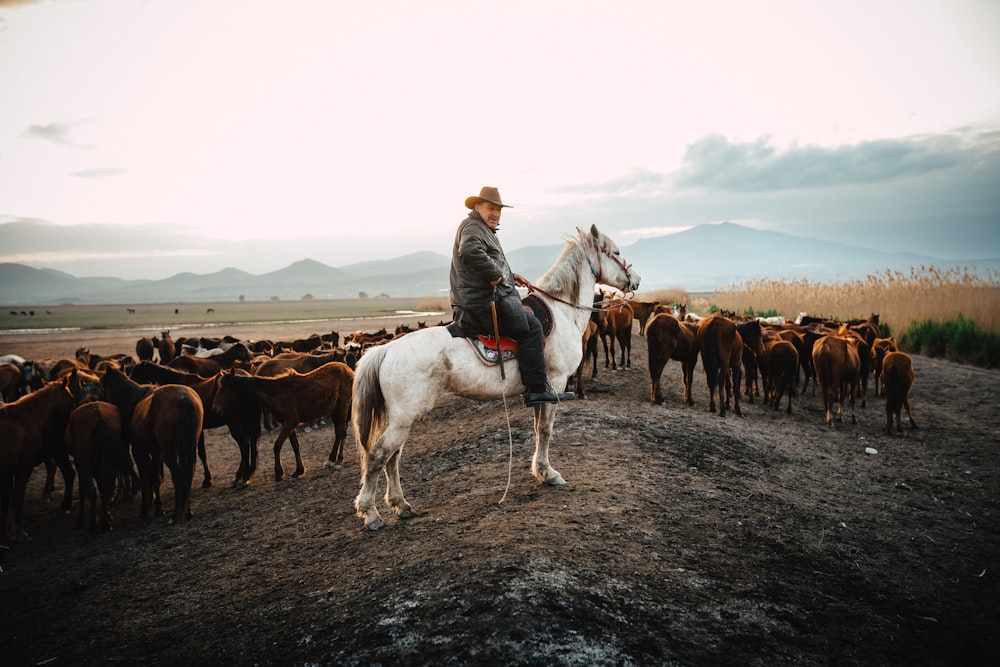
<point>477,259</point>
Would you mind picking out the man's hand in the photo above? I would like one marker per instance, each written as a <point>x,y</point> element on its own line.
<point>499,280</point>
<point>521,281</point>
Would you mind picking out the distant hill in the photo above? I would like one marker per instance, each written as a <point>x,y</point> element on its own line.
<point>700,259</point>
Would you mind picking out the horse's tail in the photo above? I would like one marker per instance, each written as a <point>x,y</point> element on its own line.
<point>368,402</point>
<point>186,434</point>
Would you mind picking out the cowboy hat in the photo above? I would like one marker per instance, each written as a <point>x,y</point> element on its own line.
<point>489,194</point>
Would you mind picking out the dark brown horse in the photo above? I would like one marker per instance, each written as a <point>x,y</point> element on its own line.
<point>100,455</point>
<point>238,356</point>
<point>294,398</point>
<point>721,349</point>
<point>163,424</point>
<point>668,338</point>
<point>31,432</point>
<point>242,420</point>
<point>779,368</point>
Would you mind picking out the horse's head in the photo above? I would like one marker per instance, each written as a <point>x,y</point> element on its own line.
<point>609,267</point>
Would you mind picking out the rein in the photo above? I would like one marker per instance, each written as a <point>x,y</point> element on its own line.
<point>611,304</point>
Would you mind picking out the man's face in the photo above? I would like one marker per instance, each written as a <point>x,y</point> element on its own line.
<point>490,213</point>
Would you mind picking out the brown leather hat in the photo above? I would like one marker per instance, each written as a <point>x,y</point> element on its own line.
<point>489,194</point>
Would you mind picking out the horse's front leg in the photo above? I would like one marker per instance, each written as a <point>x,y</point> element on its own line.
<point>69,476</point>
<point>545,415</point>
<point>286,430</point>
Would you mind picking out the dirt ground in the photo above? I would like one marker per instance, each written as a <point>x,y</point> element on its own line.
<point>680,538</point>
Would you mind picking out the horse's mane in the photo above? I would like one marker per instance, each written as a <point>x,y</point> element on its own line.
<point>563,278</point>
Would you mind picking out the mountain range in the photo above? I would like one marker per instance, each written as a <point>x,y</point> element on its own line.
<point>700,259</point>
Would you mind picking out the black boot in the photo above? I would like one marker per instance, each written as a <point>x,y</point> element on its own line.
<point>539,395</point>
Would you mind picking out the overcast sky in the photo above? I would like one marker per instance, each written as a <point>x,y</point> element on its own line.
<point>141,138</point>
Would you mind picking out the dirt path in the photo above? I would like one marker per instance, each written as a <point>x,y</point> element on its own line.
<point>680,538</point>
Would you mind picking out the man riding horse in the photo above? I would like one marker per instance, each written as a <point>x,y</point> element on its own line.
<point>480,276</point>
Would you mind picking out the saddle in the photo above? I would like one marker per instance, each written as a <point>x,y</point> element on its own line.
<point>486,345</point>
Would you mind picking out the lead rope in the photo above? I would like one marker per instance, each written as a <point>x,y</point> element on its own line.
<point>510,441</point>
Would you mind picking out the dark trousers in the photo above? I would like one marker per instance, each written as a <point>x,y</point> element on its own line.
<point>522,325</point>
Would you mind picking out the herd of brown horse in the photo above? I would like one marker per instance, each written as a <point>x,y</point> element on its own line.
<point>116,422</point>
<point>839,357</point>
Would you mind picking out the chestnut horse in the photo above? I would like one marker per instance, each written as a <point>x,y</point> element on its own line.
<point>163,424</point>
<point>31,431</point>
<point>722,356</point>
<point>243,421</point>
<point>294,398</point>
<point>402,380</point>
<point>666,339</point>
<point>101,456</point>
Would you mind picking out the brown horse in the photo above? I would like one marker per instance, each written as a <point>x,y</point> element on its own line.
<point>837,365</point>
<point>897,377</point>
<point>779,371</point>
<point>721,349</point>
<point>294,398</point>
<point>101,456</point>
<point>238,356</point>
<point>163,424</point>
<point>880,348</point>
<point>668,338</point>
<point>31,431</point>
<point>11,382</point>
<point>243,421</point>
<point>589,343</point>
<point>619,328</point>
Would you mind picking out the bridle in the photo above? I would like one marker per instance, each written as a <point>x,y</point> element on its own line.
<point>611,304</point>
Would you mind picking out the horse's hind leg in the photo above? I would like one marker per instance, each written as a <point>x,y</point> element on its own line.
<point>206,481</point>
<point>544,417</point>
<point>378,458</point>
<point>394,489</point>
<point>300,468</point>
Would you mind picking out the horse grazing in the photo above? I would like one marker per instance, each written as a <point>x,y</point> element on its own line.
<point>243,421</point>
<point>721,349</point>
<point>400,381</point>
<point>163,424</point>
<point>666,339</point>
<point>897,377</point>
<point>837,365</point>
<point>31,431</point>
<point>294,398</point>
<point>101,456</point>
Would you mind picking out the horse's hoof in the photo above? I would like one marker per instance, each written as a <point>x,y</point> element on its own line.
<point>408,513</point>
<point>375,524</point>
<point>555,480</point>
<point>333,464</point>
<point>207,484</point>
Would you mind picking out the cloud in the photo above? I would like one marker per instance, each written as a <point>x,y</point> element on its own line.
<point>714,163</point>
<point>60,133</point>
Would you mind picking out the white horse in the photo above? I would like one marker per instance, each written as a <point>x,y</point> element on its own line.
<point>399,382</point>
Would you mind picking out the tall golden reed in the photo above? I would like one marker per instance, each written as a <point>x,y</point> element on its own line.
<point>925,293</point>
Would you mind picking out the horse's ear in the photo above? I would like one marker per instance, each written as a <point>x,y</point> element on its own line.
<point>593,232</point>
